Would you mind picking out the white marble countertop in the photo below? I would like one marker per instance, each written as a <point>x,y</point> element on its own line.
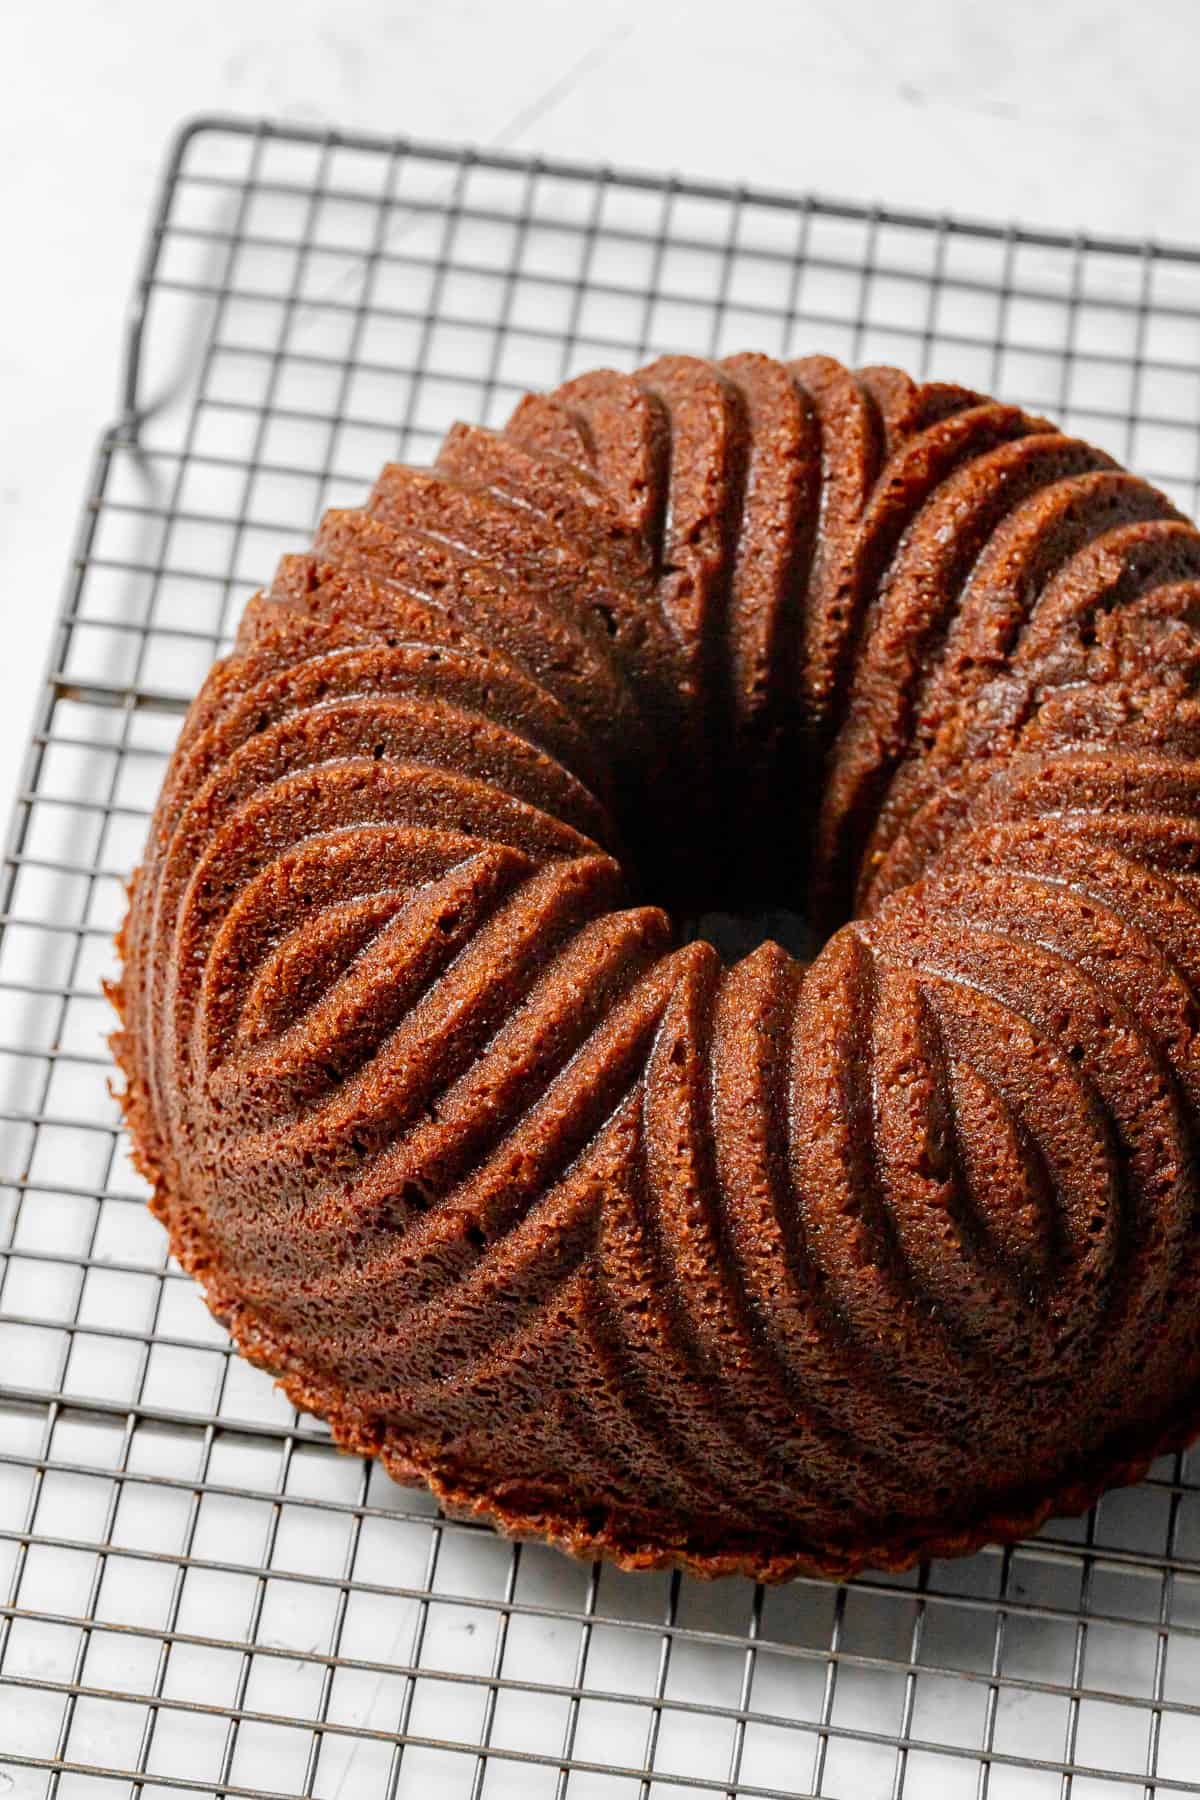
<point>1078,113</point>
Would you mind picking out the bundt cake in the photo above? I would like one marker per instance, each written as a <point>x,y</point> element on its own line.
<point>477,1143</point>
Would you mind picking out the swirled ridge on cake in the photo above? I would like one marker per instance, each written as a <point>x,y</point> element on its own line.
<point>761,1267</point>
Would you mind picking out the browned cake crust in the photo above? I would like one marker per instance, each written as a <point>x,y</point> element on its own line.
<point>766,1267</point>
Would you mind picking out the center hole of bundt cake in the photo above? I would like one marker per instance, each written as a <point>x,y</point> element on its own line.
<point>728,853</point>
<point>732,866</point>
<point>727,872</point>
<point>735,934</point>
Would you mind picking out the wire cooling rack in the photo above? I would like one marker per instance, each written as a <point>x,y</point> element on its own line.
<point>202,1596</point>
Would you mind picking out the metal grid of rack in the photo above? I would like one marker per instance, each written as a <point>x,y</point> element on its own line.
<point>200,1594</point>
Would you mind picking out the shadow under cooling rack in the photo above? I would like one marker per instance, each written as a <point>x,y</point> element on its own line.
<point>201,1596</point>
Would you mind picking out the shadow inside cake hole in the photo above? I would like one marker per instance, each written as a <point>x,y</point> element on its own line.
<point>735,934</point>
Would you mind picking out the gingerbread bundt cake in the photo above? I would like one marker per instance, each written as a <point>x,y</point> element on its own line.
<point>501,1167</point>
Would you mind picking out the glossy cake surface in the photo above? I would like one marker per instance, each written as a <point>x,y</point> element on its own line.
<point>749,1265</point>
